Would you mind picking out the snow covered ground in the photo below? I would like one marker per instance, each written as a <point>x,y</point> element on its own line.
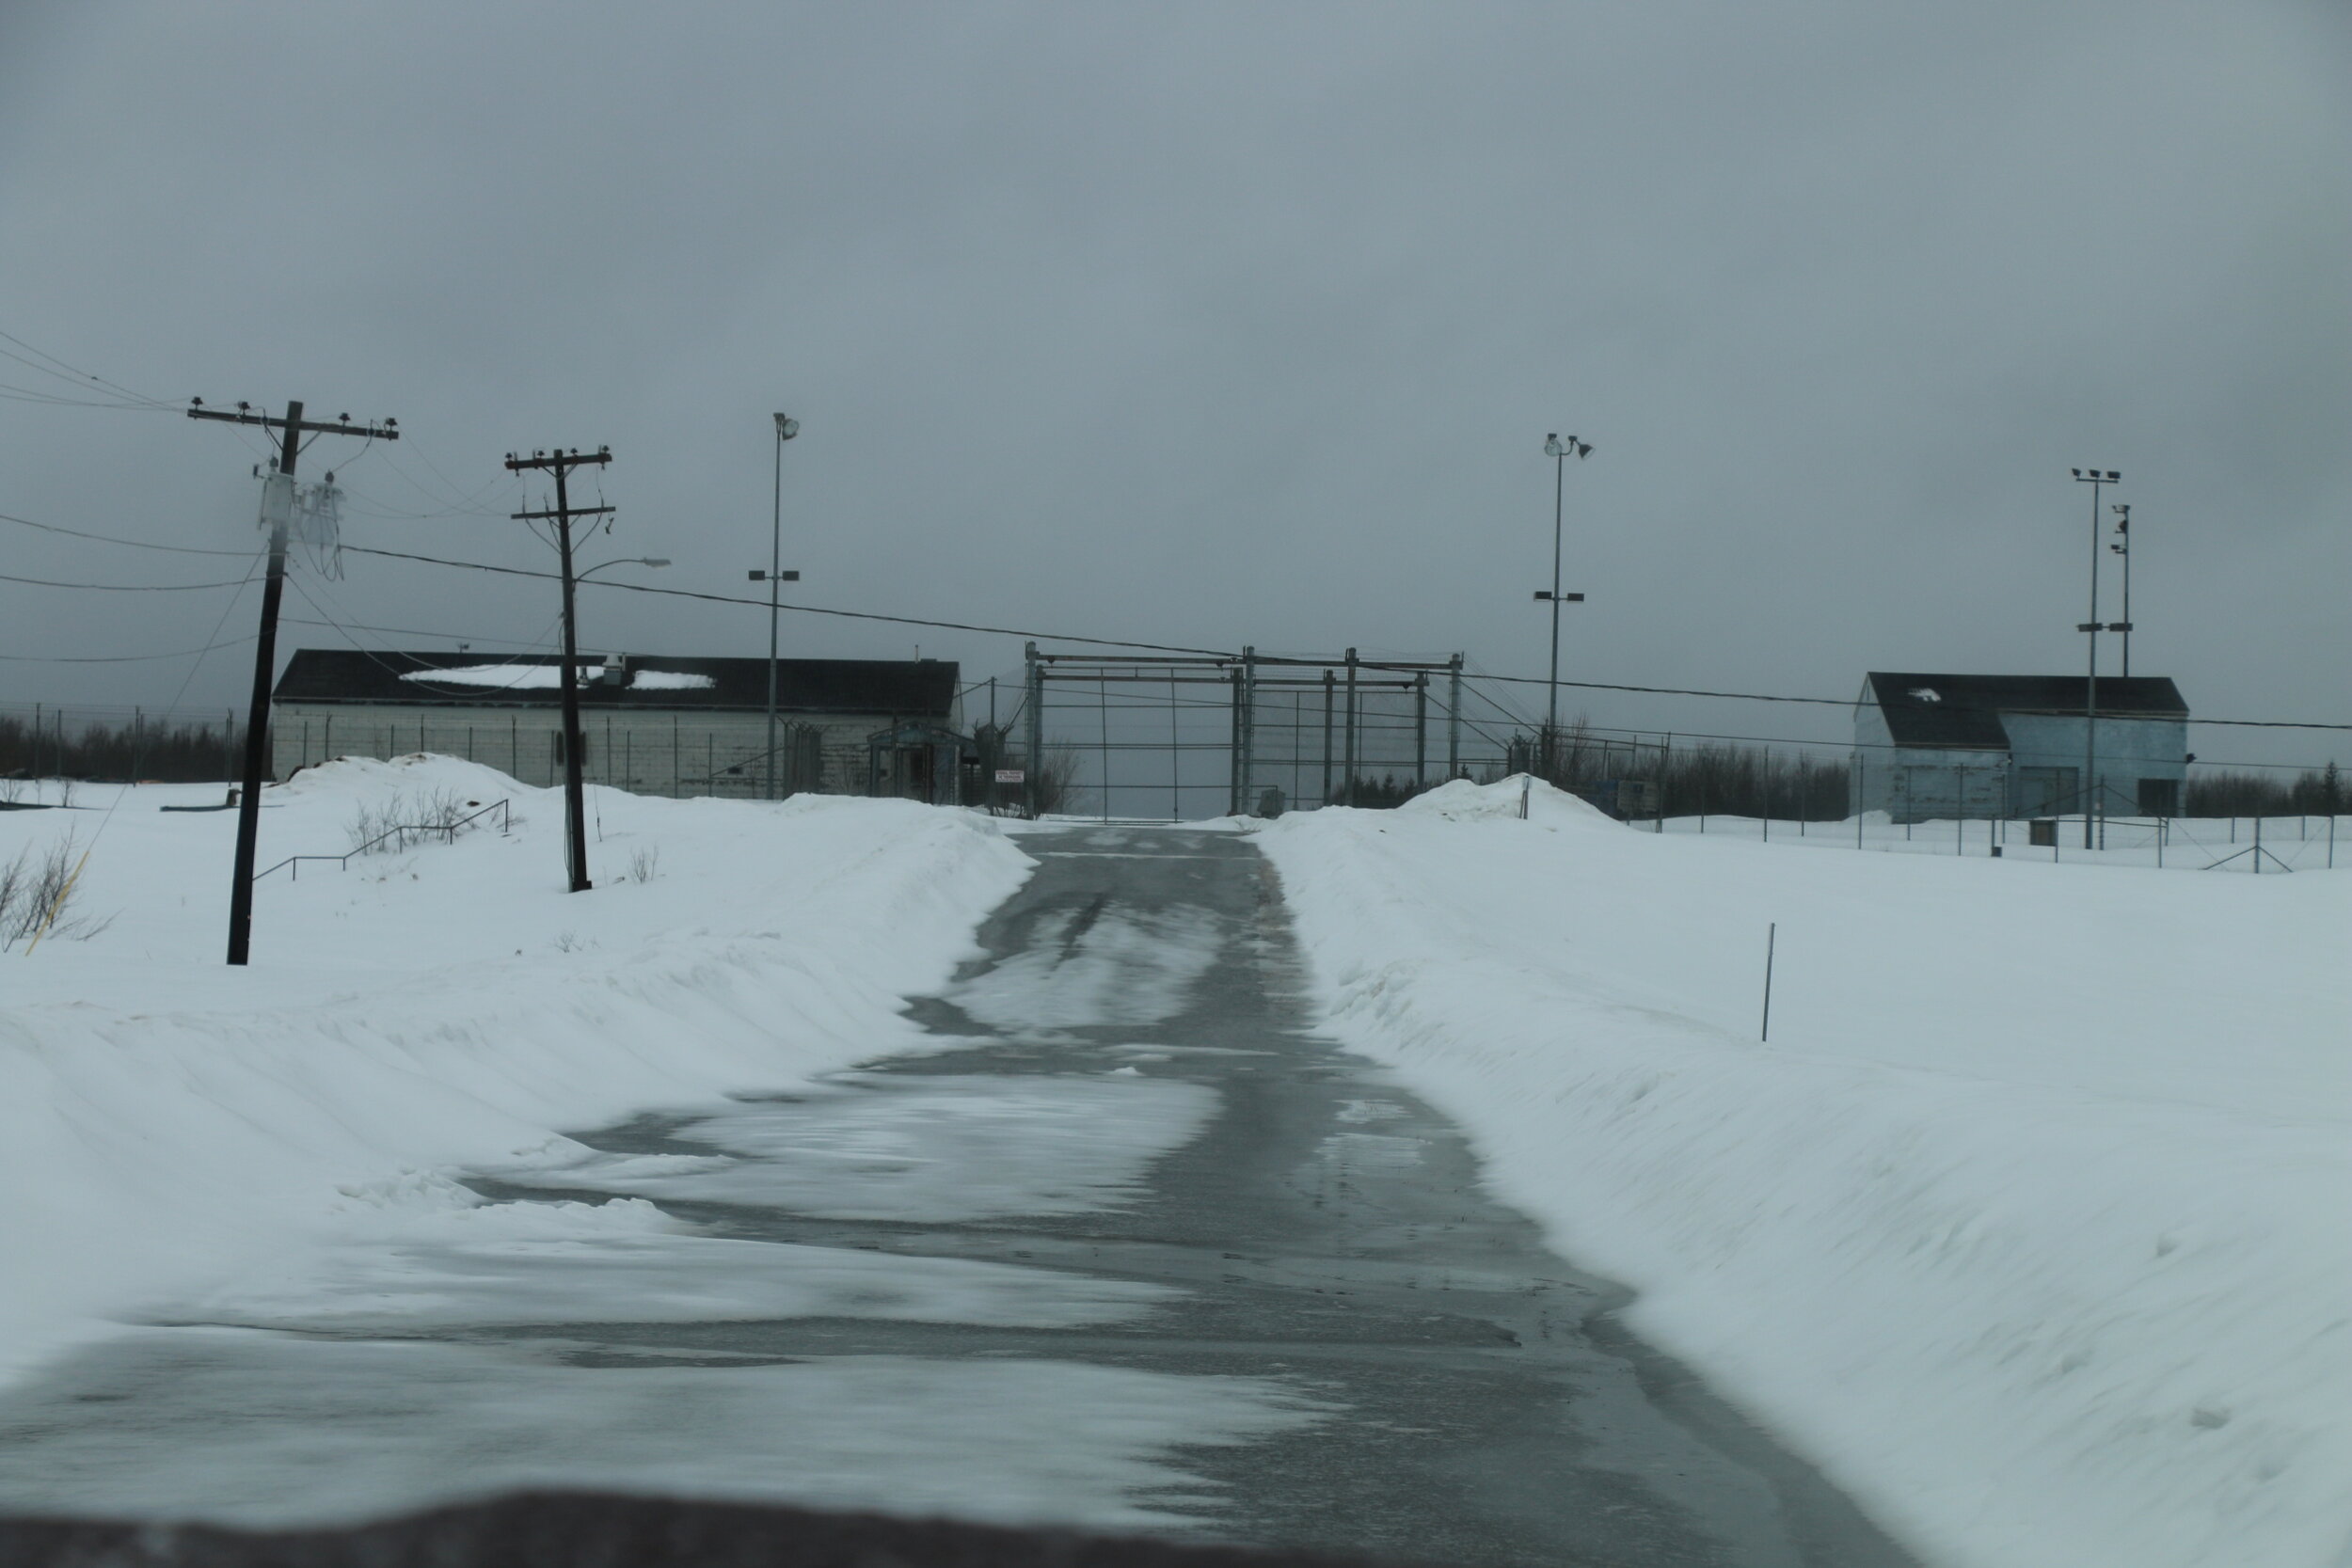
<point>169,1125</point>
<point>2032,1223</point>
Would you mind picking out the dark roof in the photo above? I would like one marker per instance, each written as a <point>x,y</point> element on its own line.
<point>1964,712</point>
<point>926,688</point>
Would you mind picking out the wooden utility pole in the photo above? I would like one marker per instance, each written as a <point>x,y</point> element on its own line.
<point>575,814</point>
<point>278,512</point>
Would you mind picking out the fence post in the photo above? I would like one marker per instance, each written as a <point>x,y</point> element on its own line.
<point>1328,683</point>
<point>1033,677</point>
<point>1421,731</point>
<point>1347,771</point>
<point>1453,719</point>
<point>1249,717</point>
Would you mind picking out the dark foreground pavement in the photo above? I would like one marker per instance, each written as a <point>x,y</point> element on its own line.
<point>1450,1390</point>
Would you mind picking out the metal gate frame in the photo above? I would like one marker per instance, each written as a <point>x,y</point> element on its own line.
<point>1249,676</point>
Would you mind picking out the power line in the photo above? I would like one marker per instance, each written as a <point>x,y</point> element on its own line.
<point>127,587</point>
<point>123,659</point>
<point>803,609</point>
<point>1219,653</point>
<point>74,374</point>
<point>134,543</point>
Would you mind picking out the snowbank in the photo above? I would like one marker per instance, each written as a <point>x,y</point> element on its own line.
<point>168,1122</point>
<point>2030,1224</point>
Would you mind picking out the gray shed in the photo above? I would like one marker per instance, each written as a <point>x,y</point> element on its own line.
<point>1943,746</point>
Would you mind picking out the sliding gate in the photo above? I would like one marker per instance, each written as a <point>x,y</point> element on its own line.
<point>1183,737</point>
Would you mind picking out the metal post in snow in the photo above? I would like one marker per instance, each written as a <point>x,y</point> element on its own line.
<point>1453,719</point>
<point>1348,771</point>
<point>1249,718</point>
<point>1032,780</point>
<point>1421,731</point>
<point>1328,683</point>
<point>1772,936</point>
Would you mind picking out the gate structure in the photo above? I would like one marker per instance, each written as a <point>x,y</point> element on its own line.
<point>1172,736</point>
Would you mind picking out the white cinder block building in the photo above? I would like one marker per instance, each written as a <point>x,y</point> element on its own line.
<point>652,725</point>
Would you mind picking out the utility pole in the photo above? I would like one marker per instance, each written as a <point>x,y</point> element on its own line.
<point>561,464</point>
<point>278,510</point>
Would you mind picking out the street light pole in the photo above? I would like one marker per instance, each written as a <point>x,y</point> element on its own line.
<point>1559,452</point>
<point>787,427</point>
<point>2095,478</point>
<point>2122,547</point>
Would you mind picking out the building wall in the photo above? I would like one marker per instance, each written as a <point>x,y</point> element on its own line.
<point>1917,785</point>
<point>2129,750</point>
<point>646,750</point>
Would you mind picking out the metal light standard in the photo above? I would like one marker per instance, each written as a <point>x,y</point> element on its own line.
<point>2095,478</point>
<point>2122,547</point>
<point>654,561</point>
<point>787,427</point>
<point>1559,452</point>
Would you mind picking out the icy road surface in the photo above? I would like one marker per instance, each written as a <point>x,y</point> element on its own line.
<point>1134,1250</point>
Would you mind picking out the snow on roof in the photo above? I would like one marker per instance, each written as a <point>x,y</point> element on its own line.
<point>895,689</point>
<point>513,678</point>
<point>544,678</point>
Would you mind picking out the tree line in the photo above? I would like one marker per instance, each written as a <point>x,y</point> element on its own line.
<point>99,752</point>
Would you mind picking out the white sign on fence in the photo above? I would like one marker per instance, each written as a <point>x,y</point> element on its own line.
<point>1010,775</point>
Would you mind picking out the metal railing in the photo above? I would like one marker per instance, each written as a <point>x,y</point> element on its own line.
<point>448,830</point>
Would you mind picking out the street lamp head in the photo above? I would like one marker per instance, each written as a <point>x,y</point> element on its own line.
<point>787,427</point>
<point>2113,475</point>
<point>654,561</point>
<point>1552,447</point>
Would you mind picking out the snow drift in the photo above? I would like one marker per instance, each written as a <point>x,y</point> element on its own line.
<point>2031,1222</point>
<point>168,1122</point>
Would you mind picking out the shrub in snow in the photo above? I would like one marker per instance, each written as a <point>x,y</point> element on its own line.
<point>38,889</point>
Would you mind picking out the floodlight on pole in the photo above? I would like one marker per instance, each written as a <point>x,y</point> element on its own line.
<point>1559,451</point>
<point>2122,547</point>
<point>2096,479</point>
<point>787,427</point>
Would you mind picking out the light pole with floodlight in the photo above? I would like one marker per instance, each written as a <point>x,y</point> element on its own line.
<point>1559,452</point>
<point>2095,478</point>
<point>787,427</point>
<point>2122,547</point>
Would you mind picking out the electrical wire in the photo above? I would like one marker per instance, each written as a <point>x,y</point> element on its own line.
<point>109,539</point>
<point>126,588</point>
<point>65,372</point>
<point>124,659</point>
<point>1218,653</point>
<point>801,609</point>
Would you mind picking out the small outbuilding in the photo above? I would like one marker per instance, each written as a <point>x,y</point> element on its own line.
<point>1941,746</point>
<point>653,725</point>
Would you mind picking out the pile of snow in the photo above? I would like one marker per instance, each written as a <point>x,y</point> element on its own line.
<point>167,1123</point>
<point>2030,1224</point>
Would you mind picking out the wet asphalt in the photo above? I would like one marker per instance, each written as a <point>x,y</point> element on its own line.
<point>1475,1399</point>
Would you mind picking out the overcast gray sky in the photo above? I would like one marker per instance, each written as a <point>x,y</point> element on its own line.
<point>1218,323</point>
